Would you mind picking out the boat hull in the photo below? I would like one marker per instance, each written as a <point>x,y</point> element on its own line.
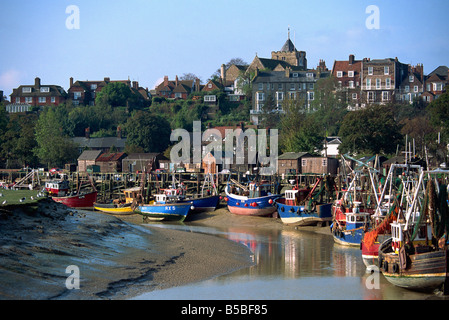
<point>244,206</point>
<point>204,204</point>
<point>114,209</point>
<point>165,212</point>
<point>298,216</point>
<point>423,271</point>
<point>81,201</point>
<point>351,238</point>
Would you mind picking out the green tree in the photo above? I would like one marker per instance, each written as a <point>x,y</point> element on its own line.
<point>438,111</point>
<point>54,147</point>
<point>148,131</point>
<point>372,130</point>
<point>118,94</point>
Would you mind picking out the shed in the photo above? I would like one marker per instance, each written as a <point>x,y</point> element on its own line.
<point>110,162</point>
<point>319,165</point>
<point>87,158</point>
<point>138,161</point>
<point>290,162</point>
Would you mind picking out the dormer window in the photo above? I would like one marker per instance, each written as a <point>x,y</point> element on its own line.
<point>45,89</point>
<point>26,90</point>
<point>411,78</point>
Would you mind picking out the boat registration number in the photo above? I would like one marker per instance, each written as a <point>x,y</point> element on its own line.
<point>170,208</point>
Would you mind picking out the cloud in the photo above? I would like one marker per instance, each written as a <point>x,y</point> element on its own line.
<point>9,80</point>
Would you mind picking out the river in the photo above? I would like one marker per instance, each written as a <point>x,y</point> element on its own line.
<point>289,265</point>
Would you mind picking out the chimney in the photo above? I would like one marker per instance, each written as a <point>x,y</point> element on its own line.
<point>71,82</point>
<point>107,79</point>
<point>287,72</point>
<point>136,85</point>
<point>119,132</point>
<point>223,74</point>
<point>351,59</point>
<point>37,83</point>
<point>87,133</point>
<point>166,81</point>
<point>197,84</point>
<point>176,81</point>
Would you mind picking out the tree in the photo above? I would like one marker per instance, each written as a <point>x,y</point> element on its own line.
<point>149,131</point>
<point>118,94</point>
<point>438,111</point>
<point>372,130</point>
<point>54,147</point>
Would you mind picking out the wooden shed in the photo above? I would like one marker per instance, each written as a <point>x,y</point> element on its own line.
<point>110,162</point>
<point>290,162</point>
<point>319,165</point>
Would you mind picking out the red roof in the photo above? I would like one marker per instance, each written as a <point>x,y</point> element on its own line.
<point>106,157</point>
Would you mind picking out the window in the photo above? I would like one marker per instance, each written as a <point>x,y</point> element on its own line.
<point>351,84</point>
<point>378,83</point>
<point>53,99</point>
<point>279,96</point>
<point>415,89</point>
<point>407,88</point>
<point>292,86</point>
<point>437,87</point>
<point>295,75</point>
<point>309,75</point>
<point>411,78</point>
<point>26,90</point>
<point>354,96</point>
<point>210,98</point>
<point>77,95</point>
<point>324,162</point>
<point>292,95</point>
<point>311,86</point>
<point>42,100</point>
<point>28,100</point>
<point>17,99</point>
<point>339,74</point>
<point>386,71</point>
<point>280,86</point>
<point>310,96</point>
<point>385,95</point>
<point>368,84</point>
<point>350,73</point>
<point>387,83</point>
<point>371,96</point>
<point>93,87</point>
<point>260,86</point>
<point>260,96</point>
<point>45,89</point>
<point>303,162</point>
<point>370,71</point>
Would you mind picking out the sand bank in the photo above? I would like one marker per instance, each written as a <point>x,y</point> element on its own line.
<point>116,258</point>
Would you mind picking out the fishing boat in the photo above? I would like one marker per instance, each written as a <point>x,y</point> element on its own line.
<point>294,209</point>
<point>120,207</point>
<point>83,200</point>
<point>207,200</point>
<point>356,223</point>
<point>256,200</point>
<point>163,209</point>
<point>416,255</point>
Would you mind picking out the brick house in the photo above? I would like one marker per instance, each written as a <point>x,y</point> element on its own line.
<point>380,79</point>
<point>38,95</point>
<point>177,89</point>
<point>348,75</point>
<point>87,158</point>
<point>412,86</point>
<point>436,83</point>
<point>85,92</point>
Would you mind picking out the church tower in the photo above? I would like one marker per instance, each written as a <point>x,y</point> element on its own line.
<point>289,54</point>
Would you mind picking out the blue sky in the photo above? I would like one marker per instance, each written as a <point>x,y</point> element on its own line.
<point>144,40</point>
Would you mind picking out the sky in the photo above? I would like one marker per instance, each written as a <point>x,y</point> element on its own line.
<point>145,40</point>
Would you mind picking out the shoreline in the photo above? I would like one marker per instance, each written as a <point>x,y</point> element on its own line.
<point>117,258</point>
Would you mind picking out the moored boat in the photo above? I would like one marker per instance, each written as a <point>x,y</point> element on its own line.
<point>78,201</point>
<point>114,208</point>
<point>162,209</point>
<point>203,204</point>
<point>256,200</point>
<point>57,187</point>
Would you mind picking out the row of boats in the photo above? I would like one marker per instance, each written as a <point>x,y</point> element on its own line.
<point>400,222</point>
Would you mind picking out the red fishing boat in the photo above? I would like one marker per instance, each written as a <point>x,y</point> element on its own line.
<point>78,201</point>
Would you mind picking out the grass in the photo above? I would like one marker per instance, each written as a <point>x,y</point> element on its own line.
<point>13,197</point>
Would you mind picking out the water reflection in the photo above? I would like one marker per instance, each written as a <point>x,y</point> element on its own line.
<point>290,264</point>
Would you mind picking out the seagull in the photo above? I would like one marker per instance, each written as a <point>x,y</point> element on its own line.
<point>22,200</point>
<point>4,202</point>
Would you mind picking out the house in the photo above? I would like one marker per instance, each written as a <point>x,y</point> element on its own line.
<point>177,89</point>
<point>348,75</point>
<point>330,148</point>
<point>104,144</point>
<point>436,83</point>
<point>271,89</point>
<point>138,161</point>
<point>290,162</point>
<point>38,95</point>
<point>380,80</point>
<point>319,165</point>
<point>85,92</point>
<point>87,159</point>
<point>412,86</point>
<point>110,162</point>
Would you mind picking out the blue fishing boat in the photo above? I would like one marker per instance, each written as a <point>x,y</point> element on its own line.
<point>256,200</point>
<point>162,209</point>
<point>203,204</point>
<point>352,232</point>
<point>291,213</point>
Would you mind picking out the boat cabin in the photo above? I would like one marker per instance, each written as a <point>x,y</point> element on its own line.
<point>423,236</point>
<point>295,196</point>
<point>259,190</point>
<point>131,194</point>
<point>57,187</point>
<point>356,219</point>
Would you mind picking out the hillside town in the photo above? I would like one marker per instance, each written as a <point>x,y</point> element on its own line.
<point>256,92</point>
